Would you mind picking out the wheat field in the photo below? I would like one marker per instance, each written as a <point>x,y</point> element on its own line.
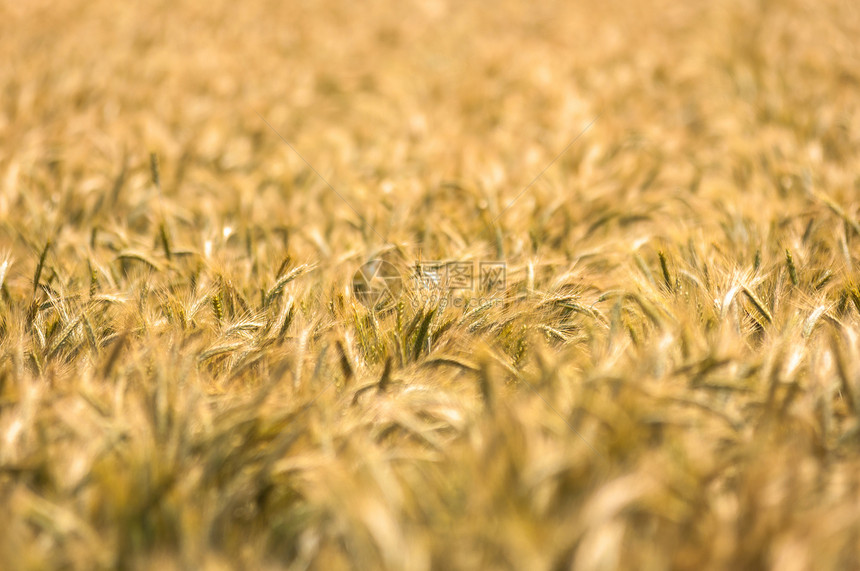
<point>664,375</point>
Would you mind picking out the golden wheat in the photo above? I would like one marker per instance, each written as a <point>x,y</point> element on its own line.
<point>667,377</point>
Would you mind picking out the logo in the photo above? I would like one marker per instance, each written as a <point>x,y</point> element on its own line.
<point>376,284</point>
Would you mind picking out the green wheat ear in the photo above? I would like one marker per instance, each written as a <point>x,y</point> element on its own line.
<point>422,334</point>
<point>345,366</point>
<point>218,306</point>
<point>165,240</point>
<point>664,266</point>
<point>758,304</point>
<point>38,275</point>
<point>792,270</point>
<point>154,170</point>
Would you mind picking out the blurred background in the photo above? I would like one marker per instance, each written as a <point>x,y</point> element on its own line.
<point>391,100</point>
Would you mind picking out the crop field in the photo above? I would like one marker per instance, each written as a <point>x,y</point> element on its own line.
<point>429,285</point>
